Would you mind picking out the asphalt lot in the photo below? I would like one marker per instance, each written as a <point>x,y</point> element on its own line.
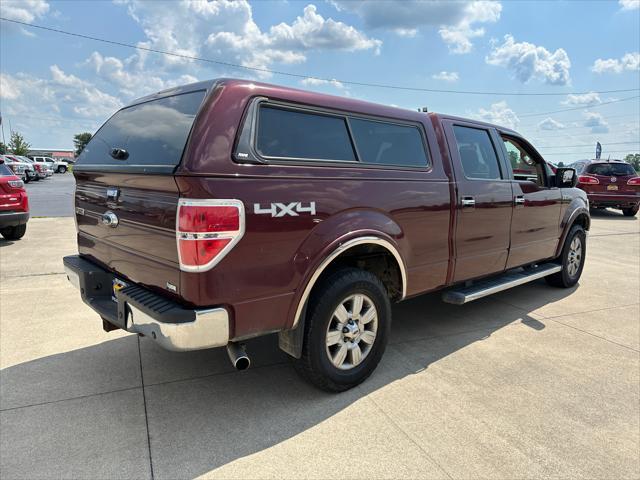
<point>533,382</point>
<point>52,197</point>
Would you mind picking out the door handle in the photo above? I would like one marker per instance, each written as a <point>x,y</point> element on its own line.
<point>468,203</point>
<point>519,201</point>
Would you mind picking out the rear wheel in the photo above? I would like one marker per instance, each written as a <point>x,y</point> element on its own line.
<point>630,212</point>
<point>572,258</point>
<point>346,330</point>
<point>14,233</point>
<point>62,169</point>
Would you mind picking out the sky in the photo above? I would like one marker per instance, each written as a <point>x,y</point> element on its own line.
<point>579,54</point>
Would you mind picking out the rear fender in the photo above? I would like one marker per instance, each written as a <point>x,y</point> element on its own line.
<point>324,244</point>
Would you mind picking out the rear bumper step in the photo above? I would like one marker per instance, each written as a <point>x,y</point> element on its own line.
<point>139,310</point>
<point>483,288</point>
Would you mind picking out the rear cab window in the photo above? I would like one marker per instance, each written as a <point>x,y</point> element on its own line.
<point>152,133</point>
<point>298,135</point>
<point>5,171</point>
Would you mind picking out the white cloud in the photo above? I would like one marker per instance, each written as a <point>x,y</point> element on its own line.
<point>629,4</point>
<point>24,10</point>
<point>528,61</point>
<point>446,76</point>
<point>227,31</point>
<point>458,37</point>
<point>500,114</point>
<point>595,122</point>
<point>9,87</point>
<point>550,124</point>
<point>591,98</point>
<point>457,21</point>
<point>629,62</point>
<point>316,82</point>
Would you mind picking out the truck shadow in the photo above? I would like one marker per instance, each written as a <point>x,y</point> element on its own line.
<point>609,214</point>
<point>202,415</point>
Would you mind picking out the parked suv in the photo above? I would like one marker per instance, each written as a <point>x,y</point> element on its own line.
<point>611,183</point>
<point>224,210</point>
<point>14,204</point>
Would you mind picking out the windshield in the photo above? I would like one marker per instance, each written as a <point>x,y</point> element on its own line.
<point>152,133</point>
<point>611,169</point>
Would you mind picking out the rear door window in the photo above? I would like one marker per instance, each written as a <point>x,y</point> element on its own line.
<point>152,133</point>
<point>385,143</point>
<point>477,154</point>
<point>292,134</point>
<point>611,169</point>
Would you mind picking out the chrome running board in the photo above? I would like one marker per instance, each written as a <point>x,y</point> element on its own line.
<point>513,278</point>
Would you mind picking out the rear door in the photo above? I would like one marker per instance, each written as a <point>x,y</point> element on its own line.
<point>126,195</point>
<point>484,201</point>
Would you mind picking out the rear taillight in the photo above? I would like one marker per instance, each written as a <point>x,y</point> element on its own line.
<point>17,184</point>
<point>206,230</point>
<point>588,179</point>
<point>634,181</point>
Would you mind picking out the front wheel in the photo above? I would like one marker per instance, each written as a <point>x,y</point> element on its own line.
<point>346,330</point>
<point>630,212</point>
<point>572,258</point>
<point>62,169</point>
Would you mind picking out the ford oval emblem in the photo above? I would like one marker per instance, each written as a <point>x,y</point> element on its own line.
<point>614,179</point>
<point>110,219</point>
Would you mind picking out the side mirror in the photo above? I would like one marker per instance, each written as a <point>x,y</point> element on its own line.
<point>566,177</point>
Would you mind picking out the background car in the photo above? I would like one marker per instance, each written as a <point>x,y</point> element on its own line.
<point>14,204</point>
<point>29,172</point>
<point>611,183</point>
<point>16,167</point>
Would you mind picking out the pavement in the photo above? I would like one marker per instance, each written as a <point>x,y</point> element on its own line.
<point>52,196</point>
<point>535,382</point>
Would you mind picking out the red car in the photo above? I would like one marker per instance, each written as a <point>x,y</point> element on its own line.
<point>611,183</point>
<point>14,205</point>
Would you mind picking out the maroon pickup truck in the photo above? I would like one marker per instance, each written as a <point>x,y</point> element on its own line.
<point>224,210</point>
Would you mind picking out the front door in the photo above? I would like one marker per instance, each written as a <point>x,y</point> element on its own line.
<point>484,201</point>
<point>535,228</point>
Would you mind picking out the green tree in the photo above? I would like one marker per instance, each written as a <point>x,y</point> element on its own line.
<point>18,145</point>
<point>513,158</point>
<point>633,159</point>
<point>80,140</point>
<point>3,148</point>
<point>560,164</point>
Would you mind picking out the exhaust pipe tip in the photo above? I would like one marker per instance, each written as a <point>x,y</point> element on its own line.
<point>238,356</point>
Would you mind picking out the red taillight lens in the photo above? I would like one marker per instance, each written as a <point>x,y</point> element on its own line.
<point>206,231</point>
<point>634,181</point>
<point>588,179</point>
<point>208,219</point>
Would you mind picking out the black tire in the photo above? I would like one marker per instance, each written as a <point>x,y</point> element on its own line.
<point>62,169</point>
<point>630,212</point>
<point>26,179</point>
<point>14,233</point>
<point>564,279</point>
<point>315,365</point>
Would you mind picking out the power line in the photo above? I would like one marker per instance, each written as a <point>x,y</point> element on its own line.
<point>586,153</point>
<point>579,108</point>
<point>587,145</point>
<point>296,75</point>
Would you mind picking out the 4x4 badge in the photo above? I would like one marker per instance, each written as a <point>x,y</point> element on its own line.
<point>293,209</point>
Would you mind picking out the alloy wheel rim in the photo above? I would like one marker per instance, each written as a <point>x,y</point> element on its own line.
<point>574,258</point>
<point>351,332</point>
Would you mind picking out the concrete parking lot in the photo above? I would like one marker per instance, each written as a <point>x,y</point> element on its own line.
<point>533,382</point>
<point>53,196</point>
